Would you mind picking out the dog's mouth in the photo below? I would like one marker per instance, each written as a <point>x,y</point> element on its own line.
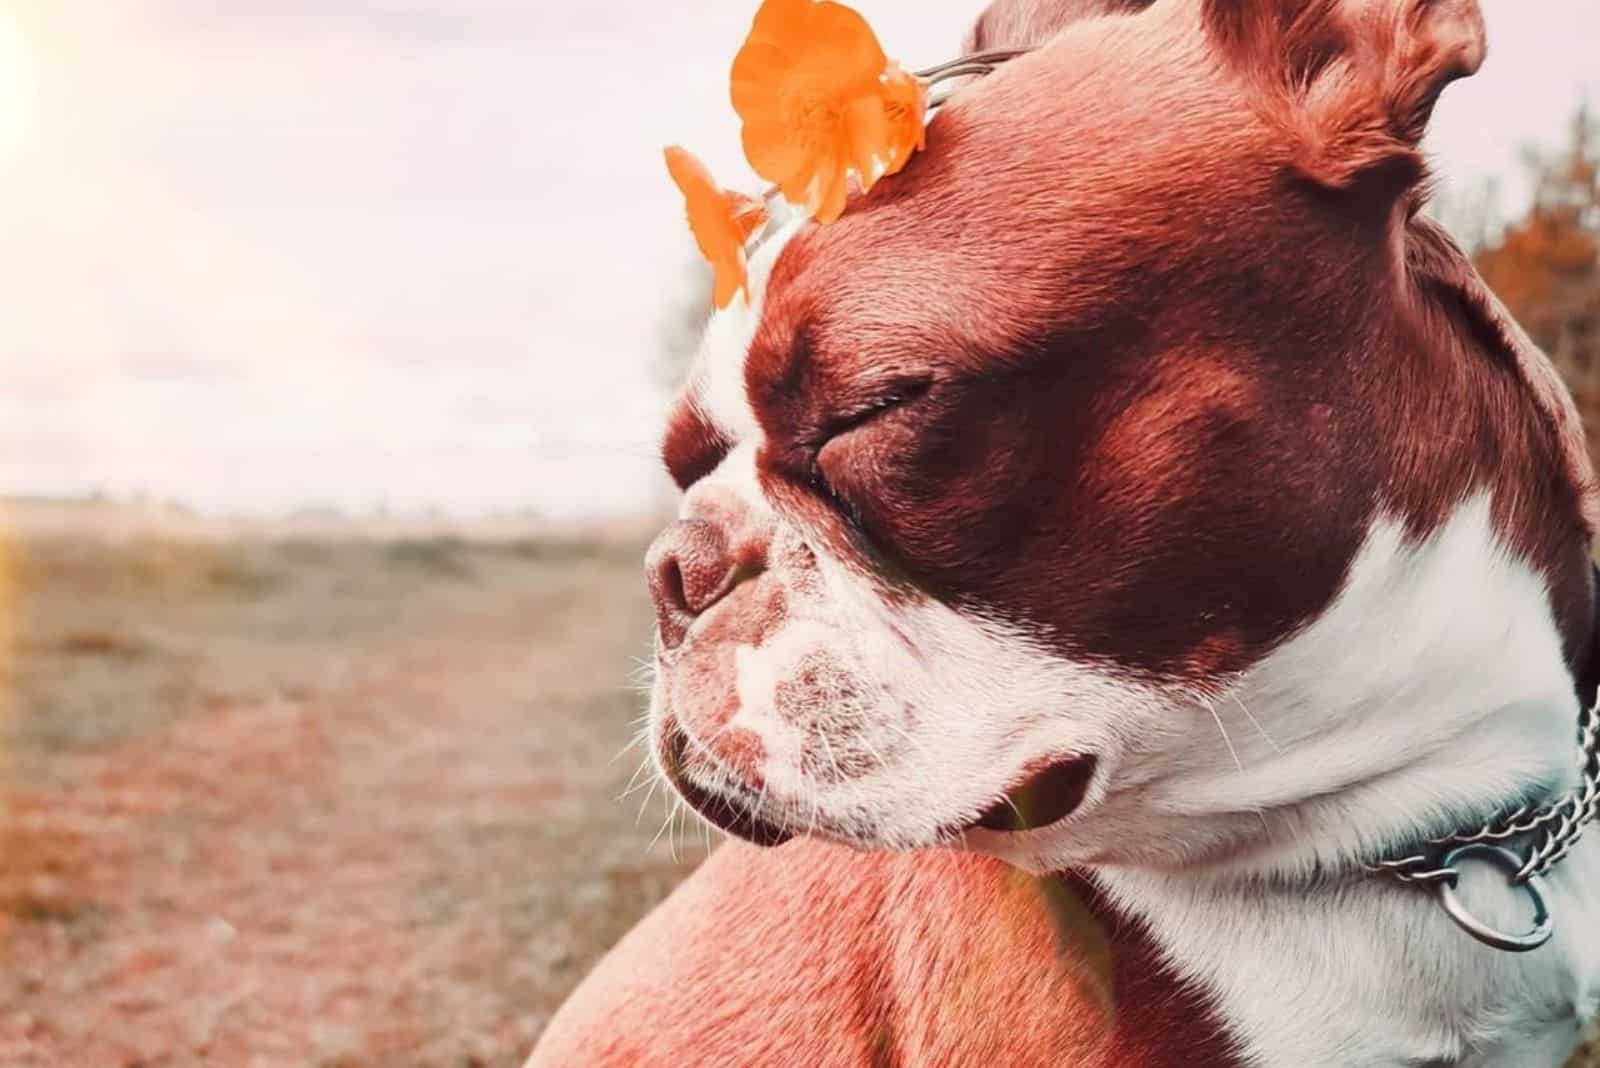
<point>1042,797</point>
<point>733,817</point>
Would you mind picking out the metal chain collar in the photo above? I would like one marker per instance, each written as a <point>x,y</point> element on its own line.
<point>1551,831</point>
<point>974,64</point>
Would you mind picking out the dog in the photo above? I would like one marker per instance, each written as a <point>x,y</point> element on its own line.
<point>1099,551</point>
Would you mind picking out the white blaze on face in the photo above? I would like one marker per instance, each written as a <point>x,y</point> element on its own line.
<point>928,716</point>
<point>718,379</point>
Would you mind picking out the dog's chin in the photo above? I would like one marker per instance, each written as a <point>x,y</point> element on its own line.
<point>734,815</point>
<point>1045,795</point>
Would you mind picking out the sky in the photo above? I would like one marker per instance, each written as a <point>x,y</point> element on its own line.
<point>266,255</point>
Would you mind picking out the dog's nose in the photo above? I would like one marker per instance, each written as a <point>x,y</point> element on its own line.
<point>689,568</point>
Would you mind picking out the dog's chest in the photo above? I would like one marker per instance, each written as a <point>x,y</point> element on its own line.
<point>1375,975</point>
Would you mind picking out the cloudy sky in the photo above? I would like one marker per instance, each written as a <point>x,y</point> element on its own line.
<point>266,254</point>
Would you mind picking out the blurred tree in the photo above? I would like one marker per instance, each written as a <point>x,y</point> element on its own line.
<point>1546,266</point>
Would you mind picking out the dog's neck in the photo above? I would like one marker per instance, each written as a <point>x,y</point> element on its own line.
<point>1373,974</point>
<point>1430,696</point>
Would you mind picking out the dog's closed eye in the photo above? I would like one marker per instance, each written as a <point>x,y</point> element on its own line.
<point>840,428</point>
<point>897,396</point>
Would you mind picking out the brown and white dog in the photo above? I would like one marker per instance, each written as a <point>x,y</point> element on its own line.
<point>1137,488</point>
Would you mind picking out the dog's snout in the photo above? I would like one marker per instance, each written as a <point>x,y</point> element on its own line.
<point>690,567</point>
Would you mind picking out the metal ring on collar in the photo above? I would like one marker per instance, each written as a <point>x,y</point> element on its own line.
<point>1543,926</point>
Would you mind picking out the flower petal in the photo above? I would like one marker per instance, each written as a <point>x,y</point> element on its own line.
<point>774,151</point>
<point>728,278</point>
<point>843,35</point>
<point>759,70</point>
<point>749,214</point>
<point>820,103</point>
<point>832,192</point>
<point>906,107</point>
<point>781,20</point>
<point>720,221</point>
<point>867,139</point>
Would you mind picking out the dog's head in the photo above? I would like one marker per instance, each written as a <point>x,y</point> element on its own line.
<point>1003,481</point>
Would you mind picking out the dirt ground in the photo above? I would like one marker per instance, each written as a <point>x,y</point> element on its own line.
<point>315,804</point>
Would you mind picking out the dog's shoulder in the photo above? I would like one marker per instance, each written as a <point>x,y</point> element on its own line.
<point>755,959</point>
<point>816,954</point>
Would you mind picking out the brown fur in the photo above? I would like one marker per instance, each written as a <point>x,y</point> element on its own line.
<point>1174,335</point>
<point>1132,229</point>
<point>811,954</point>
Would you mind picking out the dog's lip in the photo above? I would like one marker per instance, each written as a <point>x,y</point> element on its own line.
<point>715,809</point>
<point>1045,795</point>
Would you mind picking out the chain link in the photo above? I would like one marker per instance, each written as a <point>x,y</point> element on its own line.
<point>975,64</point>
<point>1554,828</point>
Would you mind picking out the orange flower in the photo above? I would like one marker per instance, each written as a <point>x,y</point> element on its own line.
<point>721,220</point>
<point>821,103</point>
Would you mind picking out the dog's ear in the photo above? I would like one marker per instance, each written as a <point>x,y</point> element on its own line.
<point>1354,81</point>
<point>1028,23</point>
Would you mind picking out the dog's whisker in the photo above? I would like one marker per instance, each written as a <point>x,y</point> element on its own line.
<point>827,750</point>
<point>717,734</point>
<point>1256,723</point>
<point>815,796</point>
<point>654,781</point>
<point>872,750</point>
<point>915,743</point>
<point>665,823</point>
<point>631,791</point>
<point>639,738</point>
<point>635,782</point>
<point>1212,709</point>
<point>676,821</point>
<point>761,799</point>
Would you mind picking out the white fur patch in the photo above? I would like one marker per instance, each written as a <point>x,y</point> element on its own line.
<point>906,693</point>
<point>889,695</point>
<point>718,381</point>
<point>1430,692</point>
<point>930,696</point>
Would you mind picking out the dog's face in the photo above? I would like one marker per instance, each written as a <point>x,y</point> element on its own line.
<point>1000,480</point>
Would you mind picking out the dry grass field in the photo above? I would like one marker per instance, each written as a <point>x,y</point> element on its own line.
<point>314,803</point>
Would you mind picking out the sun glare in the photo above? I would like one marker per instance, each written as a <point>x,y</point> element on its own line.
<point>13,85</point>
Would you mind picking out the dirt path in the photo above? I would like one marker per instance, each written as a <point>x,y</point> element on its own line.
<point>396,846</point>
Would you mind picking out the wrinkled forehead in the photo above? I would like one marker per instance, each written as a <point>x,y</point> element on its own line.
<point>1044,191</point>
<point>1051,196</point>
